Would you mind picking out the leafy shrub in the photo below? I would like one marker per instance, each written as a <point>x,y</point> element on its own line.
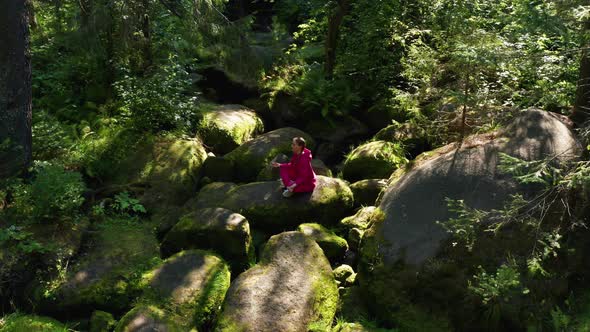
<point>53,193</point>
<point>50,140</point>
<point>159,101</point>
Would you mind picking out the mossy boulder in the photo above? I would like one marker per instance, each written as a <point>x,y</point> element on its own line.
<point>366,191</point>
<point>333,245</point>
<point>105,275</point>
<point>217,229</point>
<point>212,194</point>
<point>30,323</point>
<point>291,289</point>
<point>412,136</point>
<point>147,318</point>
<point>190,286</point>
<point>251,157</point>
<point>168,168</point>
<point>172,172</point>
<point>265,208</point>
<point>408,240</point>
<point>269,173</point>
<point>228,126</point>
<point>343,273</point>
<point>377,159</point>
<point>62,240</point>
<point>362,219</point>
<point>218,169</point>
<point>102,321</point>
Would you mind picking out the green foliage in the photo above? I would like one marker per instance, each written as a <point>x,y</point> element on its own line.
<point>54,193</point>
<point>17,237</point>
<point>158,102</point>
<point>530,172</point>
<point>18,322</point>
<point>124,203</point>
<point>497,290</point>
<point>465,223</point>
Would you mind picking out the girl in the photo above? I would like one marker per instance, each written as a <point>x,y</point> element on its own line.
<point>297,175</point>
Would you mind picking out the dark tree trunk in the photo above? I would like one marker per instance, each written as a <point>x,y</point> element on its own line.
<point>334,23</point>
<point>15,88</point>
<point>147,35</point>
<point>582,106</point>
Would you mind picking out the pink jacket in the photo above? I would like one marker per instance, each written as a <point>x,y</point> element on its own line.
<point>300,169</point>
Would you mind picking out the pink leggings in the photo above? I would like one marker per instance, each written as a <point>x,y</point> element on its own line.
<point>301,188</point>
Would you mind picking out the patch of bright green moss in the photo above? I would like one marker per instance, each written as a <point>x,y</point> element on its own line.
<point>373,160</point>
<point>30,323</point>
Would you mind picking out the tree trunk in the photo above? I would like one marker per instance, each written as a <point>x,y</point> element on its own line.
<point>334,23</point>
<point>147,35</point>
<point>582,106</point>
<point>15,88</point>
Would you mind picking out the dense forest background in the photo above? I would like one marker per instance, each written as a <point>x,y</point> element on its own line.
<point>109,75</point>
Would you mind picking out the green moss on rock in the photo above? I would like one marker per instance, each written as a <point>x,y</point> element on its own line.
<point>362,219</point>
<point>333,245</point>
<point>30,323</point>
<point>218,229</point>
<point>291,289</point>
<point>192,284</point>
<point>372,160</point>
<point>147,318</point>
<point>342,272</point>
<point>102,321</point>
<point>265,207</point>
<point>106,274</point>
<point>228,126</point>
<point>366,191</point>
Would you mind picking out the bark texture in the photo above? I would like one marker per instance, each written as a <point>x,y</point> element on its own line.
<point>15,88</point>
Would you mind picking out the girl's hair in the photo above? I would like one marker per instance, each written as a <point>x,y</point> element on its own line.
<point>300,141</point>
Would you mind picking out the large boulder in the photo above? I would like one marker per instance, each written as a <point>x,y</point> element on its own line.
<point>333,245</point>
<point>172,172</point>
<point>366,191</point>
<point>217,229</point>
<point>106,275</point>
<point>265,207</point>
<point>377,159</point>
<point>212,194</point>
<point>408,235</point>
<point>190,286</point>
<point>61,240</point>
<point>166,168</point>
<point>291,289</point>
<point>252,156</point>
<point>228,126</point>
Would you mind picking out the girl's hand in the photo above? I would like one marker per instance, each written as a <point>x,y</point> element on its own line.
<point>275,164</point>
<point>292,187</point>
